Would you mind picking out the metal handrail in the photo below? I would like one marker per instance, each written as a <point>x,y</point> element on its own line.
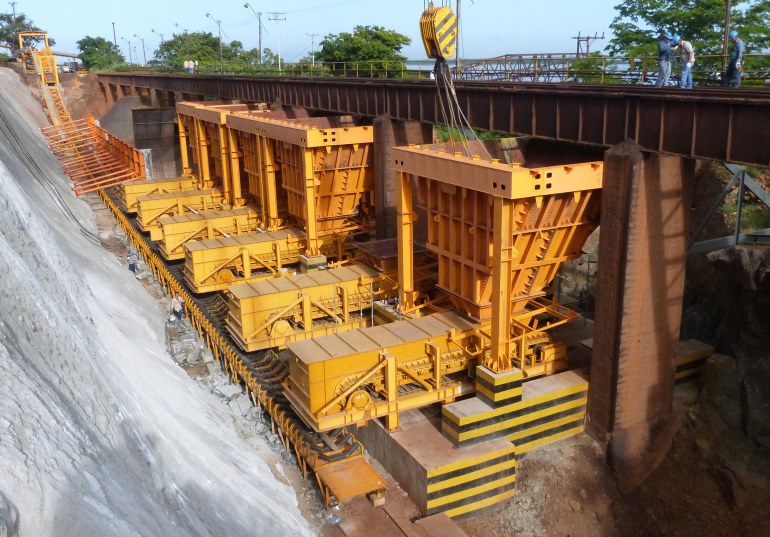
<point>556,68</point>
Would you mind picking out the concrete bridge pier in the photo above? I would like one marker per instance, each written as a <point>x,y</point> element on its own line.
<point>642,258</point>
<point>389,133</point>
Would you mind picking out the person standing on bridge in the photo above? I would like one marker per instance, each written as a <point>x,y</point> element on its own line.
<point>664,59</point>
<point>686,59</point>
<point>733,74</point>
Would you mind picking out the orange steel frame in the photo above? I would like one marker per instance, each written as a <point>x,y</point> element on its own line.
<point>524,223</point>
<point>92,157</point>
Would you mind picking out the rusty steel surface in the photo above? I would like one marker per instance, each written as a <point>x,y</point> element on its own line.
<point>712,123</point>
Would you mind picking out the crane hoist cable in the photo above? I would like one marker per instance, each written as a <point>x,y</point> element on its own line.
<point>438,29</point>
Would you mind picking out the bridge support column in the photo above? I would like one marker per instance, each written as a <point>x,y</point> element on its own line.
<point>642,257</point>
<point>389,133</point>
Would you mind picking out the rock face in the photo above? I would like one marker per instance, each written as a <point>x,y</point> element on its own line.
<point>722,388</point>
<point>747,266</point>
<point>756,403</point>
<point>9,517</point>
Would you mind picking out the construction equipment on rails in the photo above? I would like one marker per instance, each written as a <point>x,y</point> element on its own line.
<point>41,61</point>
<point>90,156</point>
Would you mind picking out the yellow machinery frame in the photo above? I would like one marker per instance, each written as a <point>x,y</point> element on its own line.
<point>525,223</point>
<point>178,229</point>
<point>131,191</point>
<point>274,312</point>
<point>214,265</point>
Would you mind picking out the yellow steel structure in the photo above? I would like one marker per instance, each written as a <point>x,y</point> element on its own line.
<point>274,312</point>
<point>203,134</point>
<point>214,265</point>
<point>325,171</point>
<point>131,191</point>
<point>525,222</point>
<point>500,232</point>
<point>178,229</point>
<point>150,209</point>
<point>438,28</point>
<point>354,376</point>
<point>43,62</point>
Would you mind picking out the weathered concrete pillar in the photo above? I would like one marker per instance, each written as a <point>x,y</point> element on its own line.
<point>389,133</point>
<point>642,258</point>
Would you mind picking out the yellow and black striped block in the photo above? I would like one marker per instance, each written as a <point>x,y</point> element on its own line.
<point>472,484</point>
<point>691,355</point>
<point>499,389</point>
<point>551,408</point>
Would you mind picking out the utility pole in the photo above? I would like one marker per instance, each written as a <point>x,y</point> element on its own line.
<point>219,26</point>
<point>587,39</point>
<point>726,36</point>
<point>114,35</point>
<point>276,16</point>
<point>13,7</point>
<point>312,49</point>
<point>258,14</point>
<point>144,52</point>
<point>130,58</point>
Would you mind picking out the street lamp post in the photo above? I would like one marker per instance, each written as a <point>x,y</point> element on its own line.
<point>144,52</point>
<point>130,58</point>
<point>13,7</point>
<point>162,41</point>
<point>219,27</point>
<point>114,35</point>
<point>257,14</point>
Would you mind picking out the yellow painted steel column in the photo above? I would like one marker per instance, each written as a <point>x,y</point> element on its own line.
<point>204,177</point>
<point>235,168</point>
<point>502,265</point>
<point>391,387</point>
<point>186,170</point>
<point>405,221</point>
<point>313,248</point>
<point>269,183</point>
<point>224,154</point>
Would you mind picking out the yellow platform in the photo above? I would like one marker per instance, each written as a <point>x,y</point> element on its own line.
<point>151,208</point>
<point>216,264</point>
<point>178,229</point>
<point>274,312</point>
<point>354,376</point>
<point>130,192</point>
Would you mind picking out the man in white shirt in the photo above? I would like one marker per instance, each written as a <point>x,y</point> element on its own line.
<point>686,59</point>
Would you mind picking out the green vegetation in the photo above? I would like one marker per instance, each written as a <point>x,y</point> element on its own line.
<point>754,216</point>
<point>639,23</point>
<point>10,27</point>
<point>365,45</point>
<point>4,57</point>
<point>444,134</point>
<point>203,47</point>
<point>98,54</point>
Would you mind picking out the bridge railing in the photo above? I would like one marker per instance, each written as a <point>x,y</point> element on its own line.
<point>555,68</point>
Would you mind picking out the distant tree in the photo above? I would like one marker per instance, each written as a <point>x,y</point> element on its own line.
<point>10,28</point>
<point>199,46</point>
<point>98,53</point>
<point>365,44</point>
<point>639,23</point>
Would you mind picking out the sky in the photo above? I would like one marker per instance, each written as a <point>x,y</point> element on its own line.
<point>488,27</point>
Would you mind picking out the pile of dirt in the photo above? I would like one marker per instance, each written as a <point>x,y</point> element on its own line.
<point>83,95</point>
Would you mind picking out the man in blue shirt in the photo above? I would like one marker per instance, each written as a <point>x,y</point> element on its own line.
<point>664,59</point>
<point>733,74</point>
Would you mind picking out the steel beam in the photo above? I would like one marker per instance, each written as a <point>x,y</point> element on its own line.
<point>719,124</point>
